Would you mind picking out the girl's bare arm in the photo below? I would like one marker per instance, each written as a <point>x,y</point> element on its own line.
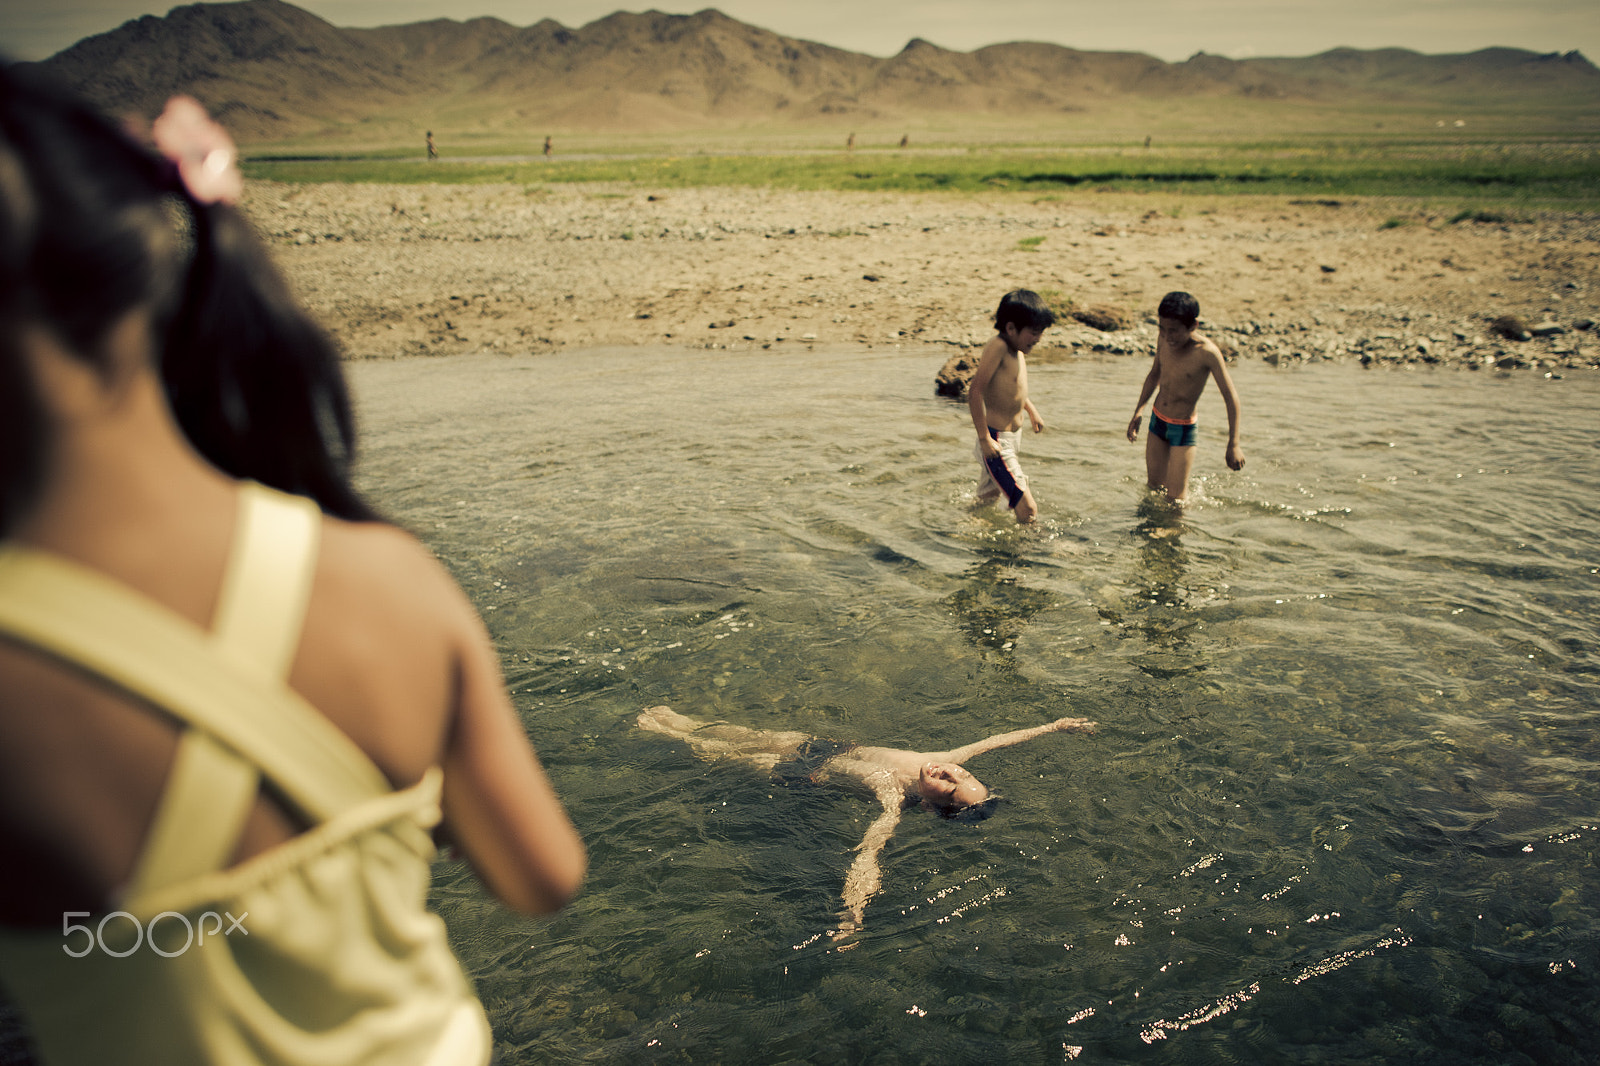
<point>500,808</point>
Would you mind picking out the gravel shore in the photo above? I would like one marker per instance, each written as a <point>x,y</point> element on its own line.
<point>441,269</point>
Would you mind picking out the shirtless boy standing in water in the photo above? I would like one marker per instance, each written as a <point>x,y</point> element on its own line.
<point>998,398</point>
<point>1184,359</point>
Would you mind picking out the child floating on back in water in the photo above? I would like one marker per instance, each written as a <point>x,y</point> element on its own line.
<point>1183,361</point>
<point>934,780</point>
<point>997,396</point>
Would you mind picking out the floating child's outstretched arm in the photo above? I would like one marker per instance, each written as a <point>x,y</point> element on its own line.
<point>1002,740</point>
<point>865,877</point>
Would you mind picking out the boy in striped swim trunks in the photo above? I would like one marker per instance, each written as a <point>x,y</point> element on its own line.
<point>1184,360</point>
<point>998,399</point>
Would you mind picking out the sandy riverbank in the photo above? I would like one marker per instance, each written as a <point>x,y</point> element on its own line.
<point>407,270</point>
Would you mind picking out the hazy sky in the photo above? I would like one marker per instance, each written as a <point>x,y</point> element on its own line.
<point>1168,29</point>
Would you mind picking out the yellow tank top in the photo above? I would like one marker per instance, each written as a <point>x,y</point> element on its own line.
<point>318,951</point>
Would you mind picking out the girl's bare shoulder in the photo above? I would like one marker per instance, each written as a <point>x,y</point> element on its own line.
<point>382,569</point>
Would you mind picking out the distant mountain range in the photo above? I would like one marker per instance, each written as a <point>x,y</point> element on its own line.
<point>273,72</point>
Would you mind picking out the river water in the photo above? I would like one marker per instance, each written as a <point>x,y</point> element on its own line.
<point>1342,806</point>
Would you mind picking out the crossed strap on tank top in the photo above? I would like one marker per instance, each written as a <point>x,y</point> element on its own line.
<point>229,685</point>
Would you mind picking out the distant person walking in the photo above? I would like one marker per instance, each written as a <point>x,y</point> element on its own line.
<point>433,153</point>
<point>547,148</point>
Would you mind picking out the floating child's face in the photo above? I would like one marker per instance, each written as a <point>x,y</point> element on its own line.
<point>1022,338</point>
<point>948,785</point>
<point>1175,331</point>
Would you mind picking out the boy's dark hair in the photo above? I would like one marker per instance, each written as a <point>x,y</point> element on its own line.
<point>1024,309</point>
<point>94,226</point>
<point>1181,306</point>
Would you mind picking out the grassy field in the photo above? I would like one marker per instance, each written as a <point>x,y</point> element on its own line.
<point>1562,173</point>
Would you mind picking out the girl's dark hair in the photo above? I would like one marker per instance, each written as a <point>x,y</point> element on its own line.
<point>94,226</point>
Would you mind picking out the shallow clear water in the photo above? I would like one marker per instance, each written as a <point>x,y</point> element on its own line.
<point>1341,807</point>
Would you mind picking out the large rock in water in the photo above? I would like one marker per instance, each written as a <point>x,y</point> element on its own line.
<point>952,378</point>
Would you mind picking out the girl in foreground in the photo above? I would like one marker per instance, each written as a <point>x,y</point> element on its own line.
<point>232,699</point>
<point>934,780</point>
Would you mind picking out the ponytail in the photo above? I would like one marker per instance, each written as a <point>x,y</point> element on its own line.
<point>255,384</point>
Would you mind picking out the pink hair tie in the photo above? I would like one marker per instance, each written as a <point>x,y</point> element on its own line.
<point>201,150</point>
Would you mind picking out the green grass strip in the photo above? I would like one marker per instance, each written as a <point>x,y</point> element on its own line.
<point>1568,174</point>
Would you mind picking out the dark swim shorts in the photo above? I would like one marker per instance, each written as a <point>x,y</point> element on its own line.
<point>801,769</point>
<point>1000,466</point>
<point>1177,434</point>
